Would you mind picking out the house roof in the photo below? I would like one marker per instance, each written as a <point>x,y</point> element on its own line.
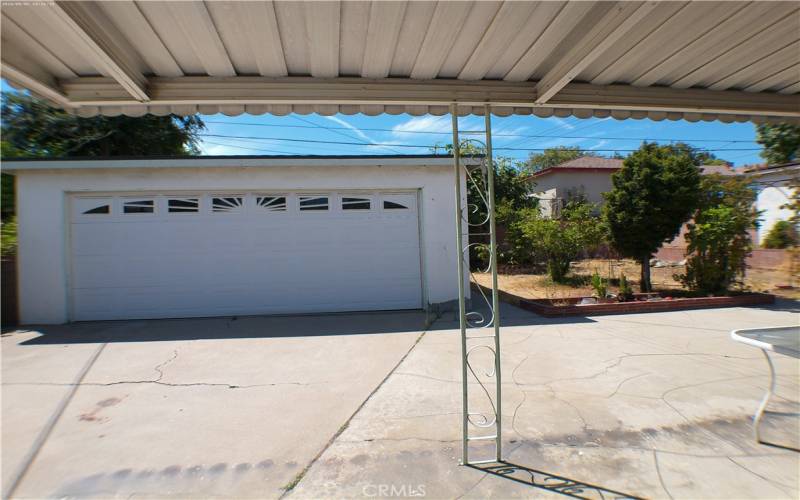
<point>584,163</point>
<point>763,167</point>
<point>717,169</point>
<point>731,61</point>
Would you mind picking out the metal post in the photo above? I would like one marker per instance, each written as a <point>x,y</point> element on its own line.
<point>461,304</point>
<point>493,263</point>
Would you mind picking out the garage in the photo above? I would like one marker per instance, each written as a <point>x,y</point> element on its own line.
<point>156,255</point>
<point>109,239</point>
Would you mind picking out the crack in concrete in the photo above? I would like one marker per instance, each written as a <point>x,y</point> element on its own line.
<point>777,484</point>
<point>167,384</point>
<point>660,477</point>
<point>159,367</point>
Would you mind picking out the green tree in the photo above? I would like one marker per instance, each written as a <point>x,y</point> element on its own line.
<point>782,235</point>
<point>32,128</point>
<point>512,191</point>
<point>719,236</point>
<point>556,242</point>
<point>552,157</point>
<point>654,193</point>
<point>781,142</point>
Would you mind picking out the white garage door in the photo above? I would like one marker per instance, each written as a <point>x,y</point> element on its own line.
<point>168,255</point>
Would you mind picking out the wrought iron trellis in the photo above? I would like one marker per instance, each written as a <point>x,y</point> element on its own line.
<point>482,178</point>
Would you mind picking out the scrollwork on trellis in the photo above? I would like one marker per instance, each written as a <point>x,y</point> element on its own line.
<point>475,319</point>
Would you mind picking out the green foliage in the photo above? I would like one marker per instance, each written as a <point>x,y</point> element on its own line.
<point>599,286</point>
<point>552,157</point>
<point>512,194</point>
<point>782,235</point>
<point>32,128</point>
<point>7,195</point>
<point>719,237</point>
<point>781,142</point>
<point>8,237</point>
<point>653,194</point>
<point>556,242</point>
<point>625,290</point>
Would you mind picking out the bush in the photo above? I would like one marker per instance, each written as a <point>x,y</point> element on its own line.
<point>719,238</point>
<point>556,242</point>
<point>625,290</point>
<point>8,235</point>
<point>600,287</point>
<point>782,235</point>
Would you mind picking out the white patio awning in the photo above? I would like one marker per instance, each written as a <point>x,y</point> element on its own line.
<point>731,61</point>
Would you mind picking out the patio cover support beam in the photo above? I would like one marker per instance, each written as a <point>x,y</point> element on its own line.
<point>653,102</point>
<point>606,32</point>
<point>462,321</point>
<point>495,295</point>
<point>90,29</point>
<point>23,75</point>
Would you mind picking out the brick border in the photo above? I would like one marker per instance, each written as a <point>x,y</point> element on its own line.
<point>546,308</point>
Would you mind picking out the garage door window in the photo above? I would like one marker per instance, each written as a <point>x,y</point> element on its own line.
<point>92,206</point>
<point>138,207</point>
<point>227,204</point>
<point>183,205</point>
<point>271,203</point>
<point>398,201</point>
<point>314,202</point>
<point>353,203</point>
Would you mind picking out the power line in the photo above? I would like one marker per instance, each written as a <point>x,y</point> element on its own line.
<point>377,144</point>
<point>476,132</point>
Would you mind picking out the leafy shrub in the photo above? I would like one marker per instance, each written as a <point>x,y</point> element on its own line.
<point>556,242</point>
<point>782,235</point>
<point>625,290</point>
<point>600,287</point>
<point>719,239</point>
<point>8,235</point>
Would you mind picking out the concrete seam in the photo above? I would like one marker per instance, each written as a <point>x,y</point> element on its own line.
<point>16,479</point>
<point>346,424</point>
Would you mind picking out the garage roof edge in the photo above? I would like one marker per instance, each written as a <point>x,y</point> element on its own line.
<point>19,164</point>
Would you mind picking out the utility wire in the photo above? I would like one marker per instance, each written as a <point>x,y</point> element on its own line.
<point>318,141</point>
<point>476,132</point>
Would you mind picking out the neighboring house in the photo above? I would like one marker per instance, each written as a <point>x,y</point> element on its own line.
<point>104,239</point>
<point>772,183</point>
<point>587,177</point>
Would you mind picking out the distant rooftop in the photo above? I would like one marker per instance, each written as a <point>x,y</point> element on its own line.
<point>588,163</point>
<point>759,167</point>
<point>717,169</point>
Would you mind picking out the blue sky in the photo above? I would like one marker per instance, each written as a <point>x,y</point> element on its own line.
<point>268,134</point>
<point>395,133</point>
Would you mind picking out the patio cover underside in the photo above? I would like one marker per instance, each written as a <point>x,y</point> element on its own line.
<point>728,61</point>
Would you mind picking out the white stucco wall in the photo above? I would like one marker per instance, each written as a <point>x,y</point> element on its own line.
<point>42,196</point>
<point>769,201</point>
<point>555,185</point>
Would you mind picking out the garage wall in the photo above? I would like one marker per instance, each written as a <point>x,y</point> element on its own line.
<point>43,218</point>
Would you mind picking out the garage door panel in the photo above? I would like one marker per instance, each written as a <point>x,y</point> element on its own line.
<point>248,261</point>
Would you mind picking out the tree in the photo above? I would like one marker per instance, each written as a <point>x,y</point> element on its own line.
<point>782,235</point>
<point>512,191</point>
<point>32,128</point>
<point>781,142</point>
<point>552,157</point>
<point>719,236</point>
<point>559,241</point>
<point>654,193</point>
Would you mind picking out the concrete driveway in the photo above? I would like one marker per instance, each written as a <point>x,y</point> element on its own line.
<point>206,407</point>
<point>652,405</point>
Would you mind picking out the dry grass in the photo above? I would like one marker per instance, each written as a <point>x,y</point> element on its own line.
<point>531,284</point>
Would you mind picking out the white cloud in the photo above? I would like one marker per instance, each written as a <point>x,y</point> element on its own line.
<point>427,123</point>
<point>352,128</point>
